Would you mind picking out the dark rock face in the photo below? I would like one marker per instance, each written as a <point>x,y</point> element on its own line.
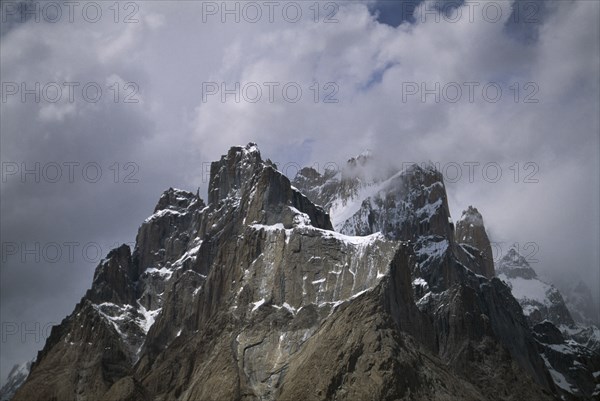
<point>232,172</point>
<point>254,297</point>
<point>163,237</point>
<point>471,231</point>
<point>573,367</point>
<point>83,357</point>
<point>548,333</point>
<point>114,278</point>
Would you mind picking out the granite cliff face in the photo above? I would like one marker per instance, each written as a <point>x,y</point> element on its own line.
<point>253,296</point>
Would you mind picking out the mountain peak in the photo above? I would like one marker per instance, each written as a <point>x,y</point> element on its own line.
<point>514,265</point>
<point>177,200</point>
<point>514,259</point>
<point>255,295</point>
<point>363,158</point>
<point>471,231</point>
<point>472,216</point>
<point>540,300</point>
<point>233,170</point>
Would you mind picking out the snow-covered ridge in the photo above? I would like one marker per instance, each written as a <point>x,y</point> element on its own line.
<point>162,213</point>
<point>162,272</point>
<point>346,239</point>
<point>529,289</point>
<point>539,300</point>
<point>343,208</point>
<point>430,249</point>
<point>585,335</point>
<point>120,317</point>
<point>558,378</point>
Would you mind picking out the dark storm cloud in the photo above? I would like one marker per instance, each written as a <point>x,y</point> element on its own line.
<point>78,175</point>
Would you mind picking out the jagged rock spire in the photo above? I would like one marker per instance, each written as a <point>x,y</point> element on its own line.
<point>514,265</point>
<point>470,230</point>
<point>233,170</point>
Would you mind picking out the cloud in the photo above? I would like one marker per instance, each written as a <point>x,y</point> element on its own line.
<point>356,77</point>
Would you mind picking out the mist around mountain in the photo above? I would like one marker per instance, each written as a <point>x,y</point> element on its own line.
<point>570,348</point>
<point>580,302</point>
<point>568,345</point>
<point>347,285</point>
<point>16,377</point>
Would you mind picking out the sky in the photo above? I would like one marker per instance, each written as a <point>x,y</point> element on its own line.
<point>103,108</point>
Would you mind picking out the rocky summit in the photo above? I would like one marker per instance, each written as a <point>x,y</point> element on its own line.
<point>342,286</point>
<point>471,231</point>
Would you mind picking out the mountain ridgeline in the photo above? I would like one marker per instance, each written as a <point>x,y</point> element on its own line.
<point>330,287</point>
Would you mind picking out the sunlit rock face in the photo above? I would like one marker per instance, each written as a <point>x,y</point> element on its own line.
<point>254,296</point>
